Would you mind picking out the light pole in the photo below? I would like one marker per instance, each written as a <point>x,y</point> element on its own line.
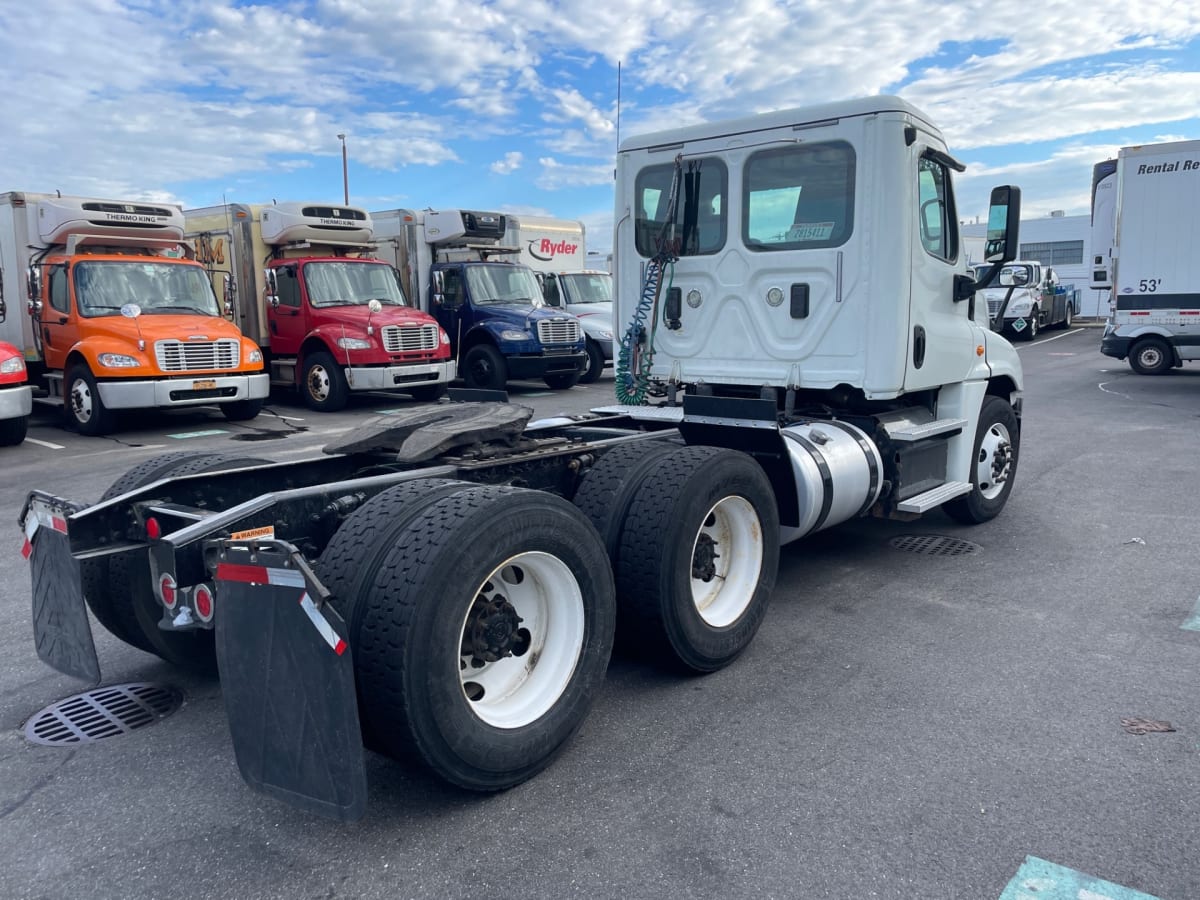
<point>345,171</point>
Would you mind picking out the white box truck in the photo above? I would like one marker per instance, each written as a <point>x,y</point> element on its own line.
<point>1145,228</point>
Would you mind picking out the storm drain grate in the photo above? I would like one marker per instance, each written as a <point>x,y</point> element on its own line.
<point>102,713</point>
<point>934,545</point>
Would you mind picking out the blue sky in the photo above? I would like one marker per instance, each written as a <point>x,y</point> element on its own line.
<point>511,105</point>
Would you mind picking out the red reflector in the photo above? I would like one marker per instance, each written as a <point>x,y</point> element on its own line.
<point>204,603</point>
<point>166,590</point>
<point>153,529</point>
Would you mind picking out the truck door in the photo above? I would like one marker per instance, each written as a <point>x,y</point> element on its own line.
<point>286,319</point>
<point>941,337</point>
<point>59,329</point>
<point>453,312</point>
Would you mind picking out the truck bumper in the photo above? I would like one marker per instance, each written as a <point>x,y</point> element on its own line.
<point>382,378</point>
<point>16,402</point>
<point>550,364</point>
<point>1116,347</point>
<point>194,391</point>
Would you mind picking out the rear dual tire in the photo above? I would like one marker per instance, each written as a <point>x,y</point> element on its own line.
<point>481,621</point>
<point>693,533</point>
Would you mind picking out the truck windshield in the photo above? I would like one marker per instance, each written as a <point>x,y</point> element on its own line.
<point>159,288</point>
<point>504,283</point>
<point>352,282</point>
<point>587,287</point>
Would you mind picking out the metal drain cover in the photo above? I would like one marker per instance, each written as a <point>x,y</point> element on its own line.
<point>102,713</point>
<point>934,545</point>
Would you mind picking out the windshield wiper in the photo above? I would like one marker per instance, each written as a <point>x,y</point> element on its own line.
<point>195,309</point>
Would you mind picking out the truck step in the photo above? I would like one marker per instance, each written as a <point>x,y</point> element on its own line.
<point>922,503</point>
<point>927,430</point>
<point>56,402</point>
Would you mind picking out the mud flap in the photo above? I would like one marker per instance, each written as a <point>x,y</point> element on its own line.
<point>61,630</point>
<point>288,680</point>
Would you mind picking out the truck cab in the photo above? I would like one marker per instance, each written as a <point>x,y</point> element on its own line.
<point>501,328</point>
<point>492,309</point>
<point>1034,302</point>
<point>331,317</point>
<point>587,294</point>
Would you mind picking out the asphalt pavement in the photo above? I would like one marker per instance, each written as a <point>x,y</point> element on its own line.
<point>905,725</point>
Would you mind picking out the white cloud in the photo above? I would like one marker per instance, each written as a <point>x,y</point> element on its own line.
<point>509,164</point>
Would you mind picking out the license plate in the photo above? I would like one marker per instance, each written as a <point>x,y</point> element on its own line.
<point>206,384</point>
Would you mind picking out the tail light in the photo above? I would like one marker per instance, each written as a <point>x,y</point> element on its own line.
<point>203,601</point>
<point>166,591</point>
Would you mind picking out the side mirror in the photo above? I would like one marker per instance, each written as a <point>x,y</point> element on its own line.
<point>1004,219</point>
<point>439,288</point>
<point>230,294</point>
<point>34,283</point>
<point>272,287</point>
<point>3,306</point>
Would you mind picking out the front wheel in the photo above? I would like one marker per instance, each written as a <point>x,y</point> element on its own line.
<point>1032,326</point>
<point>561,381</point>
<point>428,393</point>
<point>484,634</point>
<point>484,368</point>
<point>595,363</point>
<point>997,442</point>
<point>83,406</point>
<point>1151,356</point>
<point>324,386</point>
<point>13,431</point>
<point>243,410</point>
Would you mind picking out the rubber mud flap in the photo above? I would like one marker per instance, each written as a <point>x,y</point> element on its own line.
<point>61,630</point>
<point>288,680</point>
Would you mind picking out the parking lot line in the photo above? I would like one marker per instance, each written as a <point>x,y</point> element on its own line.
<point>46,444</point>
<point>182,436</point>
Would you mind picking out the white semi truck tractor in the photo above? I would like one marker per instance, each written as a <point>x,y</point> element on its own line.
<point>802,345</point>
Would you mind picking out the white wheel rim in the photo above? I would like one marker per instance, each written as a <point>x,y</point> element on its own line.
<point>1151,357</point>
<point>520,688</point>
<point>318,382</point>
<point>727,558</point>
<point>995,461</point>
<point>81,400</point>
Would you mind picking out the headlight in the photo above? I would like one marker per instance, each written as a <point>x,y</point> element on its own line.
<point>1020,308</point>
<point>511,334</point>
<point>12,365</point>
<point>604,335</point>
<point>445,338</point>
<point>348,343</point>
<point>117,361</point>
<point>254,356</point>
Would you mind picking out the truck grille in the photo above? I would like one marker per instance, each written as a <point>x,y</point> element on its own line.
<point>558,331</point>
<point>993,307</point>
<point>407,338</point>
<point>187,356</point>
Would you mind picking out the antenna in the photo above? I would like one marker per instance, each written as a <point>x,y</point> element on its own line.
<point>618,115</point>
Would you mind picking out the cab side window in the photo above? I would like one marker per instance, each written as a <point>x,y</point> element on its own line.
<point>60,298</point>
<point>452,288</point>
<point>287,285</point>
<point>937,224</point>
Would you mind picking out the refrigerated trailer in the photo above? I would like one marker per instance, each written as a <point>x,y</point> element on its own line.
<point>1145,226</point>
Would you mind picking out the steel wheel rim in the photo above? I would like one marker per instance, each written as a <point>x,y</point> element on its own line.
<point>1151,356</point>
<point>995,461</point>
<point>81,400</point>
<point>724,585</point>
<point>318,383</point>
<point>519,689</point>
